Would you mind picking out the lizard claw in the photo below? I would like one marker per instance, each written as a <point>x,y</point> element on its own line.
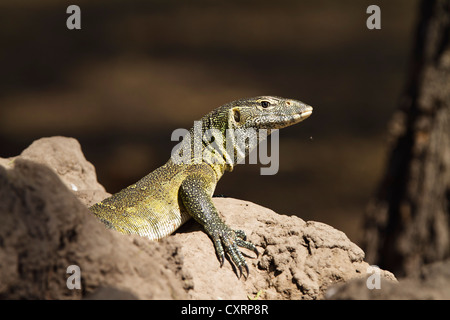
<point>219,250</point>
<point>246,270</point>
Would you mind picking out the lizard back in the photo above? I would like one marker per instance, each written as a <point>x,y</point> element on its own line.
<point>151,207</point>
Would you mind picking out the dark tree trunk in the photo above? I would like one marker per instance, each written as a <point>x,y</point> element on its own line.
<point>407,222</point>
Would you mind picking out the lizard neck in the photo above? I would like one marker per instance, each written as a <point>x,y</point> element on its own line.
<point>217,141</point>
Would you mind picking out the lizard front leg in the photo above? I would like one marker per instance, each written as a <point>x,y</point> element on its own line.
<point>195,195</point>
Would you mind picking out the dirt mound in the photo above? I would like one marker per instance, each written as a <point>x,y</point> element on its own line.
<point>433,282</point>
<point>298,259</point>
<point>46,227</point>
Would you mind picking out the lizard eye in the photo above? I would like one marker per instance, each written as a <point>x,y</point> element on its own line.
<point>265,104</point>
<point>237,115</point>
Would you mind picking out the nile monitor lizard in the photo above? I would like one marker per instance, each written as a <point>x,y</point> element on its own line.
<point>162,201</point>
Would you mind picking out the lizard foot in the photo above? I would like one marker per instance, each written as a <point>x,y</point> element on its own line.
<point>227,240</point>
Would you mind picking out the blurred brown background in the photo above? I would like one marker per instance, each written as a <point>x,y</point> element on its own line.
<point>140,69</point>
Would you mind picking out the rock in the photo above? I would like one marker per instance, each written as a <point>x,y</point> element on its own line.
<point>47,227</point>
<point>298,259</point>
<point>433,282</point>
<point>64,156</point>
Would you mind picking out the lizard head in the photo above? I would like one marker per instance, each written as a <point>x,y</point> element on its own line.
<point>251,121</point>
<point>266,112</point>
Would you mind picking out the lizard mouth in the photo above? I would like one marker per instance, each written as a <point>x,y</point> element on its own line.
<point>298,115</point>
<point>304,113</point>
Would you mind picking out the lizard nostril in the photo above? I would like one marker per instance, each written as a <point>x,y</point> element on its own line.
<point>288,103</point>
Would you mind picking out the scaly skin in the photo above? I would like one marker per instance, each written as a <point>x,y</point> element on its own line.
<point>162,201</point>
